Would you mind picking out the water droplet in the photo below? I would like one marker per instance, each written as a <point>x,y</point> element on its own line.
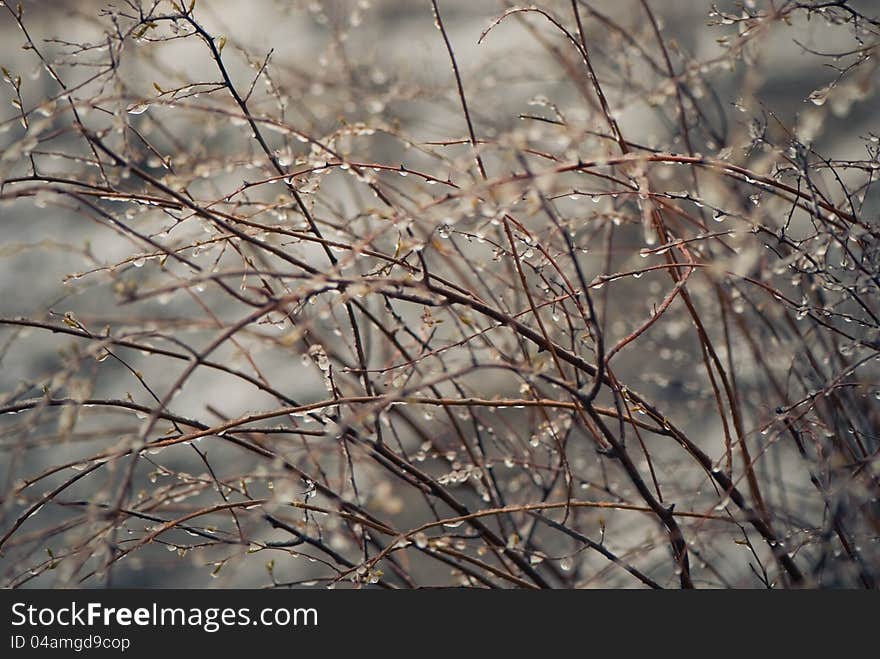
<point>138,108</point>
<point>819,96</point>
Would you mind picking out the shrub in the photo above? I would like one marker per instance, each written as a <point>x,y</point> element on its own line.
<point>564,295</point>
